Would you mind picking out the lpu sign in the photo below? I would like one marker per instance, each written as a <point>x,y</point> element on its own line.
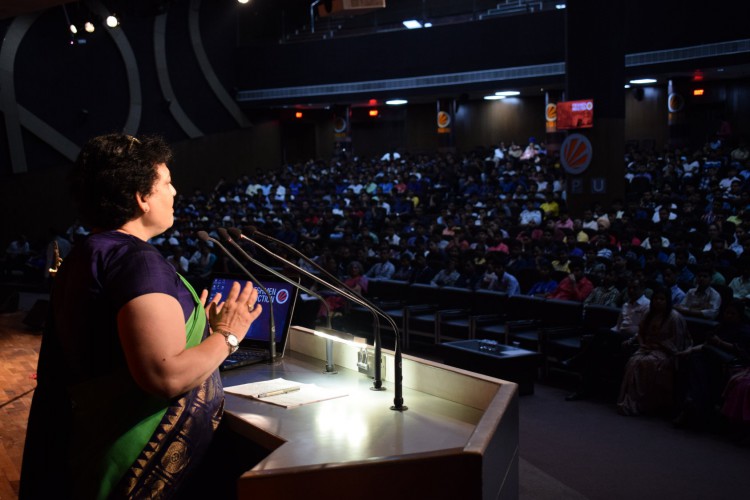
<point>575,154</point>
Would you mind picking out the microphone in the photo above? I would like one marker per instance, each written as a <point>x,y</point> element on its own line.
<point>272,322</point>
<point>226,237</point>
<point>342,289</point>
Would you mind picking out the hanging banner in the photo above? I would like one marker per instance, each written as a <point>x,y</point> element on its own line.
<point>675,102</point>
<point>550,117</point>
<point>445,117</point>
<point>342,125</point>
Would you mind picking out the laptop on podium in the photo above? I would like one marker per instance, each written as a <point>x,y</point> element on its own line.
<point>256,346</point>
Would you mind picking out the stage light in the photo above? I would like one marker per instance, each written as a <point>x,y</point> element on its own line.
<point>112,21</point>
<point>243,1</point>
<point>373,113</point>
<point>298,114</point>
<point>412,24</point>
<point>396,102</point>
<point>89,27</point>
<point>494,97</point>
<point>698,91</point>
<point>642,81</point>
<point>73,29</point>
<point>508,93</point>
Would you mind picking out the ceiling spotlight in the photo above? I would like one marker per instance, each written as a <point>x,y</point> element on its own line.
<point>494,97</point>
<point>508,93</point>
<point>641,81</point>
<point>396,102</point>
<point>412,24</point>
<point>243,1</point>
<point>73,29</point>
<point>112,21</point>
<point>89,27</point>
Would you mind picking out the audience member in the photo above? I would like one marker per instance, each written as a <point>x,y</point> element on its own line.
<point>405,269</point>
<point>648,383</point>
<point>356,281</point>
<point>575,286</point>
<point>447,276</point>
<point>670,281</point>
<point>606,293</point>
<point>740,285</point>
<point>506,282</point>
<point>545,284</point>
<point>702,301</point>
<point>384,268</point>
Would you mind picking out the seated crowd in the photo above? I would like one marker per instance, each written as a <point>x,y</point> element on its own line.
<point>497,219</point>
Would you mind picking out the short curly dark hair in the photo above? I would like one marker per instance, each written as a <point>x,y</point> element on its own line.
<point>109,171</point>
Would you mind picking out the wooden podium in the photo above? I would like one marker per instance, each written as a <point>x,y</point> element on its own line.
<point>458,439</point>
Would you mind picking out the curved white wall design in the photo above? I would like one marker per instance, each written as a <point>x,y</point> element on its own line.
<point>131,68</point>
<point>208,72</point>
<point>162,72</point>
<point>15,114</point>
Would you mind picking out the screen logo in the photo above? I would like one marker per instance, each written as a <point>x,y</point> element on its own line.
<point>282,296</point>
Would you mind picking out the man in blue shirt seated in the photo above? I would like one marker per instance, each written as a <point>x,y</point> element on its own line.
<point>545,285</point>
<point>383,269</point>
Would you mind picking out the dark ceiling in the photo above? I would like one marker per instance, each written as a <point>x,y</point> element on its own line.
<point>13,8</point>
<point>289,21</point>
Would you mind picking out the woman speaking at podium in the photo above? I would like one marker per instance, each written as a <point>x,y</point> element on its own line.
<point>128,395</point>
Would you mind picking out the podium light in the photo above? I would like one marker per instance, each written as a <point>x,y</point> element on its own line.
<point>332,336</point>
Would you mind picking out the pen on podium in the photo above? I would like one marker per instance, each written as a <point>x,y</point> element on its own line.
<point>278,392</point>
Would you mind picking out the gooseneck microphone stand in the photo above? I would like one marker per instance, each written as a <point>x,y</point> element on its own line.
<point>225,236</point>
<point>272,322</point>
<point>342,289</point>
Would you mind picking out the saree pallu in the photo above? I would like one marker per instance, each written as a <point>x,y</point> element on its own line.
<point>159,453</point>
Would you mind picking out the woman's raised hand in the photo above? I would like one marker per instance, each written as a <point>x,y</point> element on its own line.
<point>237,312</point>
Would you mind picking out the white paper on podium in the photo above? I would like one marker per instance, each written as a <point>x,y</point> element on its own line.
<point>307,393</point>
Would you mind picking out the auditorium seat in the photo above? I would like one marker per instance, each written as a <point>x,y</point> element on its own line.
<point>458,324</point>
<point>421,319</point>
<point>561,345</point>
<point>564,317</point>
<point>521,311</point>
<point>390,296</point>
<point>700,329</point>
<point>526,278</point>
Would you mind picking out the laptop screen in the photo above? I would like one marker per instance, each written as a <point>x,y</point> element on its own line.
<point>284,297</point>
